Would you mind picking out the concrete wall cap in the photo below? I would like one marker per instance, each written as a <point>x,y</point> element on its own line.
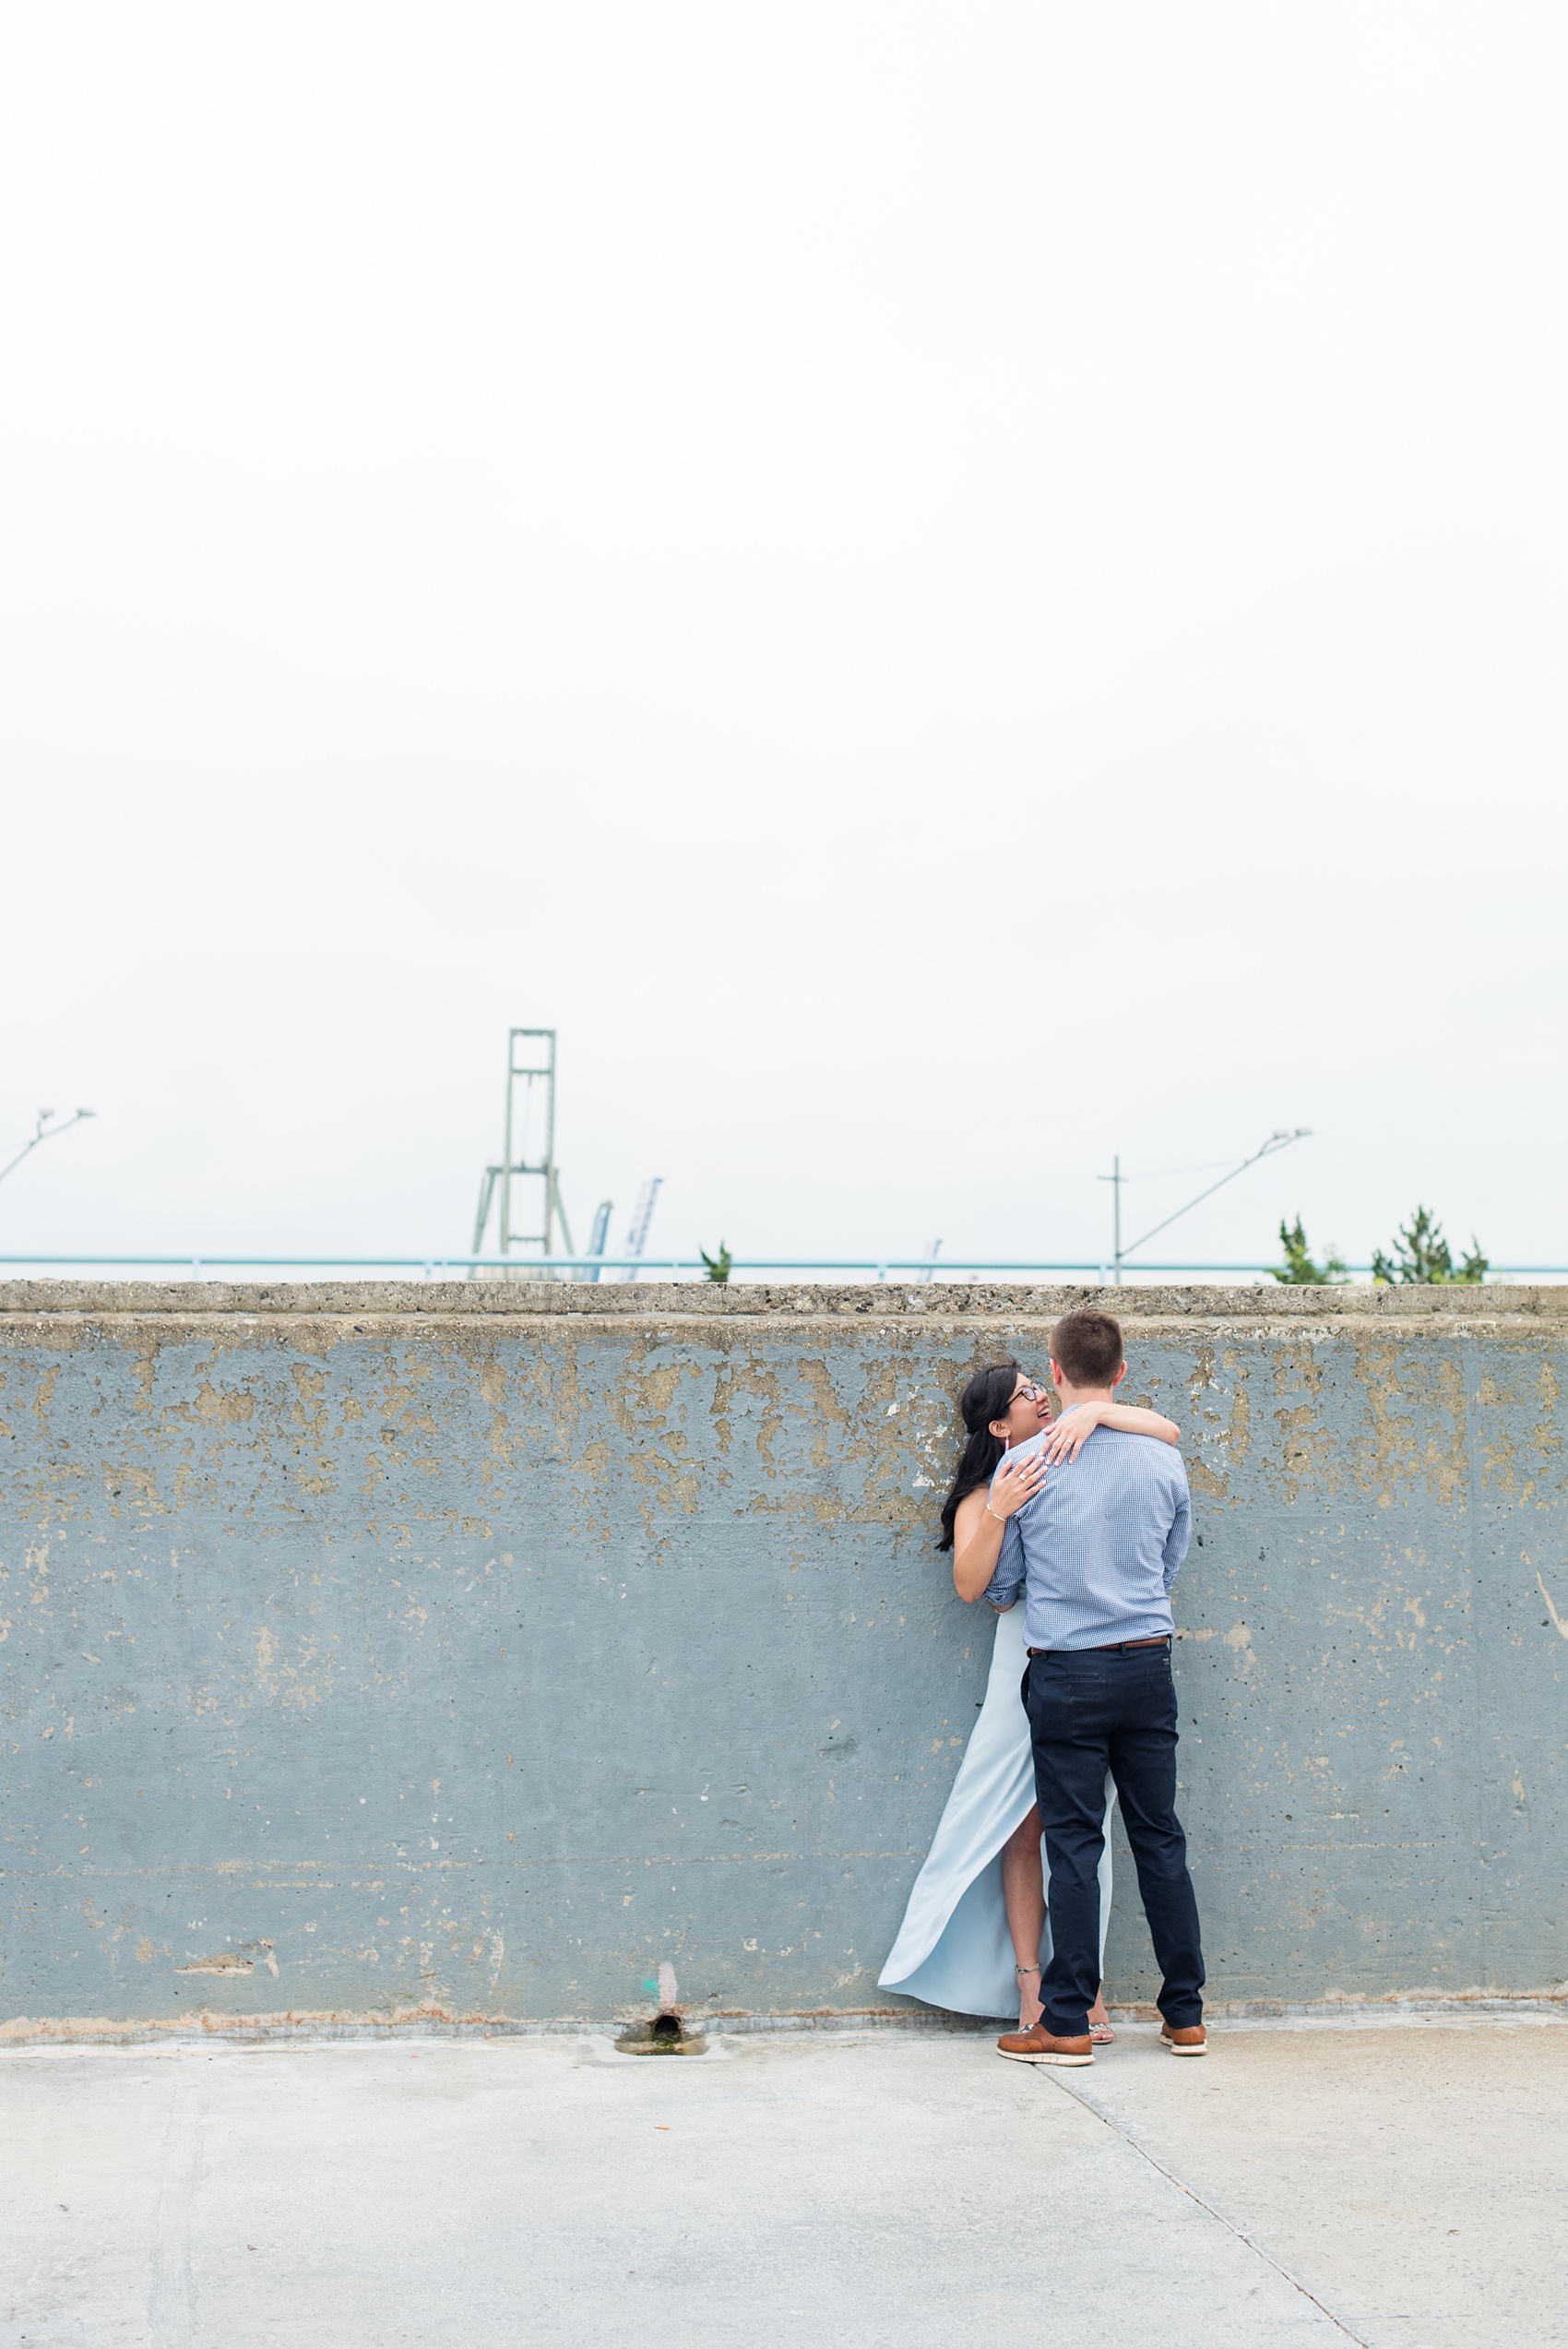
<point>949,1303</point>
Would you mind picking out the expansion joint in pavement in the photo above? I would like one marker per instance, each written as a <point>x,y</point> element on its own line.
<point>1129,2137</point>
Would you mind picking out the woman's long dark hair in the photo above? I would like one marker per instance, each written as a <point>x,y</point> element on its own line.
<point>988,1396</point>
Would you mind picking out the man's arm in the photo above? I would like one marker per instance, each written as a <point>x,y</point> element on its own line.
<point>1180,1532</point>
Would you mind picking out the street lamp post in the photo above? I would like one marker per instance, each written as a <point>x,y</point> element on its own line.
<point>1281,1139</point>
<point>45,1133</point>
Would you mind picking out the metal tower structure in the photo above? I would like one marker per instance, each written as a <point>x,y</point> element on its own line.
<point>530,1060</point>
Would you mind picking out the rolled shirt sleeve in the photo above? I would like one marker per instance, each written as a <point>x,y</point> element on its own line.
<point>1007,1583</point>
<point>1176,1541</point>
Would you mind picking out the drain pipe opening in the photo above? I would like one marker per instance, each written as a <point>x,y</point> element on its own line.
<point>665,2035</point>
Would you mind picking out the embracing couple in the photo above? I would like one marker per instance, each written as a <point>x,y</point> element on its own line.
<point>1087,1517</point>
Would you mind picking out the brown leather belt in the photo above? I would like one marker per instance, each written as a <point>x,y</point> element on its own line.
<point>1112,1647</point>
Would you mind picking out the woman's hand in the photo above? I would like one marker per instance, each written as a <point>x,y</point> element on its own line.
<point>981,1523</point>
<point>1016,1481</point>
<point>1071,1432</point>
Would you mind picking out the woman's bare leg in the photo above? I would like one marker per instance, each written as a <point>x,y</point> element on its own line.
<point>1023,1890</point>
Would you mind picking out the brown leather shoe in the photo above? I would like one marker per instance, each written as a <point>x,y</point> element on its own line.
<point>1187,2039</point>
<point>1042,2047</point>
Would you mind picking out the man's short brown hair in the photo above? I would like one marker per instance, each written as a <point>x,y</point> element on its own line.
<point>1086,1346</point>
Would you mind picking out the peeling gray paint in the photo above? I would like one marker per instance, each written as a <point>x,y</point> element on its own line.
<point>472,1650</point>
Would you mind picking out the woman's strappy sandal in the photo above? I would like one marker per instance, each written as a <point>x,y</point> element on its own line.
<point>1101,2032</point>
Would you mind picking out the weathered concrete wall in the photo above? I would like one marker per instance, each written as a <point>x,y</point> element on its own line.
<point>478,1648</point>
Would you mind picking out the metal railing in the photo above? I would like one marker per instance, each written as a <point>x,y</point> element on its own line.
<point>692,1267</point>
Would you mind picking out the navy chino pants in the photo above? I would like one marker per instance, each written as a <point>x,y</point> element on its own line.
<point>1092,1711</point>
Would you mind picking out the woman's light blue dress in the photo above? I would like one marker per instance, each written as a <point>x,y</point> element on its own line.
<point>954,1948</point>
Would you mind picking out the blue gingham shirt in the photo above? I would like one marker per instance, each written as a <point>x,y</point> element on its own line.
<point>1095,1550</point>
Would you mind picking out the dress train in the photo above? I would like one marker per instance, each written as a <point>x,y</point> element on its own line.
<point>954,1948</point>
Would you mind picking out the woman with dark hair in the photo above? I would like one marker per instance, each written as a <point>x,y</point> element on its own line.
<point>976,1930</point>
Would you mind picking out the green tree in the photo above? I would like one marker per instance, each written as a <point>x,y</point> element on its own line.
<point>717,1266</point>
<point>1422,1255</point>
<point>1299,1268</point>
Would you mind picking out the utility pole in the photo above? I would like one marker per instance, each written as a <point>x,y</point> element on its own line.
<point>1281,1139</point>
<point>1115,1179</point>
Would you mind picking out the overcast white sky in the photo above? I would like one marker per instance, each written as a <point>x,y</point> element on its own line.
<point>945,590</point>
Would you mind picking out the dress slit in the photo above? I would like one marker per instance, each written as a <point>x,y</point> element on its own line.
<point>953,1949</point>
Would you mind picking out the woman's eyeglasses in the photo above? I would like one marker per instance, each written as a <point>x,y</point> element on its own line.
<point>1027,1392</point>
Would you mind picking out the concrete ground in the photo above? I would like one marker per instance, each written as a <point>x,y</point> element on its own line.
<point>1393,2185</point>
